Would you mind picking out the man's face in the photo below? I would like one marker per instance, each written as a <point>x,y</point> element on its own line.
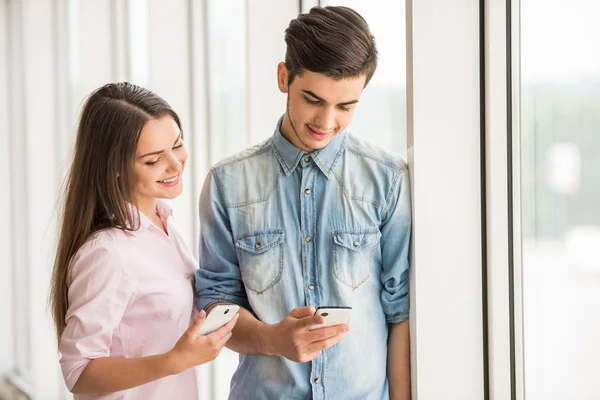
<point>318,107</point>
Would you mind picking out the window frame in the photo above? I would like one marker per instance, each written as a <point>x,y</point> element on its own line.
<point>505,302</point>
<point>443,78</point>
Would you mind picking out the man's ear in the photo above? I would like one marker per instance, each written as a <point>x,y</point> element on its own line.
<point>282,77</point>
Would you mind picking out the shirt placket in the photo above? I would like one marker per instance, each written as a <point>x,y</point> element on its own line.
<point>169,241</point>
<point>311,288</point>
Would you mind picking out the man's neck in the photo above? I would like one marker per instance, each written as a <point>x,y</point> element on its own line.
<point>288,132</point>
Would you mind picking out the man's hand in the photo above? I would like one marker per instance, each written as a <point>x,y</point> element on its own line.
<point>291,338</point>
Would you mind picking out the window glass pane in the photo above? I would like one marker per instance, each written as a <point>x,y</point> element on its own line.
<point>226,34</point>
<point>560,143</point>
<point>381,115</point>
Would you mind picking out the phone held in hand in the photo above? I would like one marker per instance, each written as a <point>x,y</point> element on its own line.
<point>333,315</point>
<point>218,316</point>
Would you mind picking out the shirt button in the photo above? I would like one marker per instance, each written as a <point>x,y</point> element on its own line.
<point>317,380</point>
<point>306,159</point>
<point>307,239</point>
<point>311,287</point>
<point>356,244</point>
<point>187,276</point>
<point>257,246</point>
<point>307,191</point>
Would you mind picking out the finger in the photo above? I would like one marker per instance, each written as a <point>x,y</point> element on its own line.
<point>302,312</point>
<point>233,321</point>
<point>307,322</point>
<point>320,334</point>
<point>325,344</point>
<point>197,323</point>
<point>312,356</point>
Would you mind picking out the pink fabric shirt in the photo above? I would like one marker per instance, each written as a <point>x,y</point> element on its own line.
<point>131,294</point>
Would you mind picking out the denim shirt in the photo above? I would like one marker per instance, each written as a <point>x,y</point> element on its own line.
<point>282,229</point>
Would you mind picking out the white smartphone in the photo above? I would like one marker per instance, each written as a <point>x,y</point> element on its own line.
<point>333,316</point>
<point>218,316</point>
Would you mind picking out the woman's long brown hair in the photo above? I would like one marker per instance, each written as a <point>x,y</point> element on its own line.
<point>99,185</point>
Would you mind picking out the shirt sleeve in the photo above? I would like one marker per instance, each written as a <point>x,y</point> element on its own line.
<point>219,278</point>
<point>98,295</point>
<point>395,248</point>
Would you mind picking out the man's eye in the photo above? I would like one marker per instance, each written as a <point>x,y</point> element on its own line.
<point>314,102</point>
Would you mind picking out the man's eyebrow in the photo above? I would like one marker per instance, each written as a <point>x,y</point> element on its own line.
<point>154,153</point>
<point>347,103</point>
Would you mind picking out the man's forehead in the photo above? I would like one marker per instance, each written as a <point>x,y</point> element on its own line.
<point>310,76</point>
<point>328,88</point>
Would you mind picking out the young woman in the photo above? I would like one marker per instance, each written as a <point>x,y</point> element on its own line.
<point>122,289</point>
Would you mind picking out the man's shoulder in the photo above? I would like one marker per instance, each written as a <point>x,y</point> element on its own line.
<point>371,153</point>
<point>246,156</point>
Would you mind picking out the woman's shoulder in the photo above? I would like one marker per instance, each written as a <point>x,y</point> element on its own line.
<point>105,245</point>
<point>104,253</point>
<point>108,237</point>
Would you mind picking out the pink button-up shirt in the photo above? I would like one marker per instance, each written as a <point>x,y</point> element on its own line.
<point>130,295</point>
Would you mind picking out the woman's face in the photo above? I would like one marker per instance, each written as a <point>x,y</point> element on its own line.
<point>159,162</point>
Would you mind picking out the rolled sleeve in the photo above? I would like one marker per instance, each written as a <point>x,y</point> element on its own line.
<point>395,248</point>
<point>98,294</point>
<point>219,278</point>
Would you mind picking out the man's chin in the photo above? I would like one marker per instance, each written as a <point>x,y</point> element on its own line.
<point>317,144</point>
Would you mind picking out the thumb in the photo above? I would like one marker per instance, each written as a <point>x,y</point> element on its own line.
<point>198,322</point>
<point>302,312</point>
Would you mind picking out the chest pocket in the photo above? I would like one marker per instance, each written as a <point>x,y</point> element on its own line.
<point>354,256</point>
<point>260,257</point>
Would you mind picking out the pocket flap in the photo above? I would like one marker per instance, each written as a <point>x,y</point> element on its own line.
<point>356,241</point>
<point>260,242</point>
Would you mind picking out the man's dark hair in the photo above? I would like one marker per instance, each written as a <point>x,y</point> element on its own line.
<point>334,41</point>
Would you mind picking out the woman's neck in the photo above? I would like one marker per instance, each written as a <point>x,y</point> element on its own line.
<point>147,207</point>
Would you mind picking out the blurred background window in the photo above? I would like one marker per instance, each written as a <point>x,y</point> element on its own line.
<point>560,188</point>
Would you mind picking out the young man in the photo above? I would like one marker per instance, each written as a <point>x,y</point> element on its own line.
<point>313,217</point>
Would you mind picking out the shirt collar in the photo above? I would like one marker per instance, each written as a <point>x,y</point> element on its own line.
<point>289,156</point>
<point>164,212</point>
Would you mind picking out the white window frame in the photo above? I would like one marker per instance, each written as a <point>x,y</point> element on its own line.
<point>444,156</point>
<point>17,254</point>
<point>6,271</point>
<point>505,302</point>
<point>32,92</point>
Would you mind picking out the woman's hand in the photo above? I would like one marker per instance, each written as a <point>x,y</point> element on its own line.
<point>192,349</point>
